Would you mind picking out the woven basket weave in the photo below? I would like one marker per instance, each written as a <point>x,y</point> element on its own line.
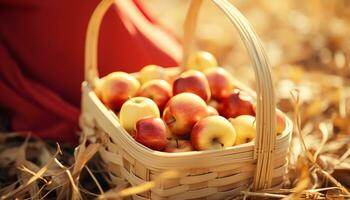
<point>212,174</point>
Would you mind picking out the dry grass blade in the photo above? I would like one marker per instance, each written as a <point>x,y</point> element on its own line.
<point>95,180</point>
<point>262,194</point>
<point>343,157</point>
<point>304,179</point>
<point>297,120</point>
<point>84,154</point>
<point>335,182</point>
<point>75,190</point>
<point>23,168</point>
<point>325,135</point>
<point>139,188</point>
<point>312,159</point>
<point>38,175</point>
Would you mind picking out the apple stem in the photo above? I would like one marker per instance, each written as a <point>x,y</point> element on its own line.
<point>171,120</point>
<point>216,141</point>
<point>177,143</point>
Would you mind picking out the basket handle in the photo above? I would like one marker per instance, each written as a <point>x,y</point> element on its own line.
<point>91,41</point>
<point>265,117</point>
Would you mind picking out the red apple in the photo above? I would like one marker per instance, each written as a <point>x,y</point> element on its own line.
<point>236,103</point>
<point>151,132</point>
<point>213,132</point>
<point>177,145</point>
<point>220,82</point>
<point>183,111</point>
<point>157,90</point>
<point>194,82</point>
<point>115,88</point>
<point>212,111</point>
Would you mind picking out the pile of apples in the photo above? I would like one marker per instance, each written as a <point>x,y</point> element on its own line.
<point>196,109</point>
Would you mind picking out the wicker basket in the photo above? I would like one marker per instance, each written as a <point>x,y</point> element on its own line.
<point>212,174</point>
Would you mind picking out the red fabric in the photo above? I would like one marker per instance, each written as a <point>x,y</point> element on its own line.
<point>41,58</point>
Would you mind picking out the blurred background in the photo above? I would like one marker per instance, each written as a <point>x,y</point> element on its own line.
<point>308,45</point>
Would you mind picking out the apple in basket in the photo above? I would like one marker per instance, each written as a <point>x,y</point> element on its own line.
<point>135,109</point>
<point>214,103</point>
<point>201,60</point>
<point>178,145</point>
<point>212,111</point>
<point>245,127</point>
<point>151,132</point>
<point>183,111</point>
<point>192,81</point>
<point>281,122</point>
<point>158,90</point>
<point>151,72</point>
<point>236,103</point>
<point>220,82</point>
<point>213,132</point>
<point>115,88</point>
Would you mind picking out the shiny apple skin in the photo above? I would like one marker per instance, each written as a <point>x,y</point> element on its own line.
<point>182,113</point>
<point>235,104</point>
<point>194,82</point>
<point>151,132</point>
<point>158,90</point>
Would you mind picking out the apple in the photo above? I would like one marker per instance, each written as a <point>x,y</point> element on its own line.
<point>115,88</point>
<point>214,103</point>
<point>157,90</point>
<point>151,132</point>
<point>183,111</point>
<point>280,122</point>
<point>236,103</point>
<point>213,132</point>
<point>192,81</point>
<point>245,127</point>
<point>151,72</point>
<point>220,82</point>
<point>177,145</point>
<point>135,109</point>
<point>201,60</point>
<point>212,111</point>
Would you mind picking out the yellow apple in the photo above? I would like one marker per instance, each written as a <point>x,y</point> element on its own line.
<point>151,72</point>
<point>245,127</point>
<point>201,61</point>
<point>213,132</point>
<point>212,111</point>
<point>135,109</point>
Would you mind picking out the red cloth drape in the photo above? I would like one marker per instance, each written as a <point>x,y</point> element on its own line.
<point>41,58</point>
